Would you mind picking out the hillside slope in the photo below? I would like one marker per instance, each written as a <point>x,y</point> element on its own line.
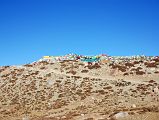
<point>75,90</point>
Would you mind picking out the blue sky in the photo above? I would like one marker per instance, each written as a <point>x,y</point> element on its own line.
<point>30,29</point>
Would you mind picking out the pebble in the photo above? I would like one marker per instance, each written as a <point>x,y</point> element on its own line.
<point>134,106</point>
<point>82,114</point>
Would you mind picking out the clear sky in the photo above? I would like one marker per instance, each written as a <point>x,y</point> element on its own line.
<point>30,29</point>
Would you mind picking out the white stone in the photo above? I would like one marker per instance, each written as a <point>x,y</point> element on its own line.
<point>121,115</point>
<point>25,118</point>
<point>82,114</point>
<point>134,106</point>
<point>63,117</point>
<point>50,83</point>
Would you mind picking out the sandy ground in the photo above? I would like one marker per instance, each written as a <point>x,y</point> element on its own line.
<point>73,90</point>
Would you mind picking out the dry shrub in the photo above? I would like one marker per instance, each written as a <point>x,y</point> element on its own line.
<point>1,70</point>
<point>153,64</point>
<point>89,119</point>
<point>136,62</point>
<point>63,65</point>
<point>44,62</point>
<point>42,68</point>
<point>156,72</point>
<point>139,68</point>
<point>140,73</point>
<point>121,68</point>
<point>84,71</point>
<point>133,69</point>
<point>28,65</point>
<point>48,75</point>
<point>109,87</point>
<point>151,81</point>
<point>129,64</point>
<point>72,72</point>
<point>126,74</point>
<point>95,66</point>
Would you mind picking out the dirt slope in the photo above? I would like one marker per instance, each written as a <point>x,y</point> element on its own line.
<point>74,90</point>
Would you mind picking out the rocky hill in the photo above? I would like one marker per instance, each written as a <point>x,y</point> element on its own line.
<point>76,90</point>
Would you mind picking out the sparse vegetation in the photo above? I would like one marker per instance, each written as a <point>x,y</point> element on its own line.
<point>78,90</point>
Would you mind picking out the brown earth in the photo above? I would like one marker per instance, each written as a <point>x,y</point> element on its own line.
<point>72,90</point>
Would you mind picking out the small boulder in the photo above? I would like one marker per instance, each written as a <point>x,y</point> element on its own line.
<point>120,115</point>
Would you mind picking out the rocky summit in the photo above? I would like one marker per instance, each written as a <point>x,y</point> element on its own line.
<point>81,88</point>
